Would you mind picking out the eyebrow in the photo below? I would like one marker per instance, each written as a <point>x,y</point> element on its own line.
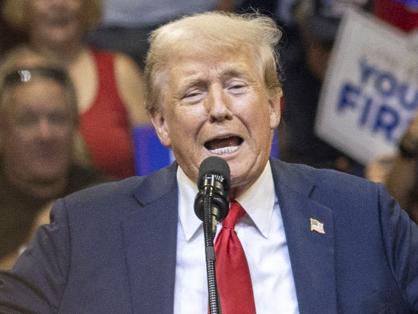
<point>233,73</point>
<point>188,83</point>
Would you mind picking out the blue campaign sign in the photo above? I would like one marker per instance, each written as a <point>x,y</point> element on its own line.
<point>382,100</point>
<point>370,94</point>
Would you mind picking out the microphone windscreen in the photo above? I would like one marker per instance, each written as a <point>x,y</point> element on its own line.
<point>214,165</point>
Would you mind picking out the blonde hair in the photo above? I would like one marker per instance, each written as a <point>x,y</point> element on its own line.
<point>207,34</point>
<point>24,58</point>
<point>17,15</point>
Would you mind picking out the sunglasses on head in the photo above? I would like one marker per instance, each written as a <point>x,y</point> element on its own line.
<point>25,75</point>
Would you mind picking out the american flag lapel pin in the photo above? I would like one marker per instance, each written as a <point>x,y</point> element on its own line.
<point>316,226</point>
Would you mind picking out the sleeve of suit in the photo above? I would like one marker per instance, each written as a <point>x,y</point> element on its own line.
<point>36,283</point>
<point>400,237</point>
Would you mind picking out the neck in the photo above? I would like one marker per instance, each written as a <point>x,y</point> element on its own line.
<point>237,191</point>
<point>66,52</point>
<point>43,189</point>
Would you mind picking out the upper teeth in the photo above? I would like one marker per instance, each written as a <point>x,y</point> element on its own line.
<point>224,150</point>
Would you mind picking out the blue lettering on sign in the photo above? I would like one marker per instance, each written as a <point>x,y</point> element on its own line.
<point>407,97</point>
<point>348,97</point>
<point>387,120</point>
<point>379,118</point>
<point>386,84</point>
<point>364,117</point>
<point>366,70</point>
<point>380,100</point>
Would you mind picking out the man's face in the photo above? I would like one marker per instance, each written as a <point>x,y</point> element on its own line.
<point>37,131</point>
<point>218,106</point>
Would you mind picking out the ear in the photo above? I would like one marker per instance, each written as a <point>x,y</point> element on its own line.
<point>160,124</point>
<point>275,109</point>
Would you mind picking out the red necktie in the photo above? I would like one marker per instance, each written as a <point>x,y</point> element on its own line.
<point>232,272</point>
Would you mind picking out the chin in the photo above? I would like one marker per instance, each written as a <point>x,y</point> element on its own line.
<point>46,178</point>
<point>49,173</point>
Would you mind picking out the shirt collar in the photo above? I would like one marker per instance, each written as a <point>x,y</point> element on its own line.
<point>258,201</point>
<point>187,190</point>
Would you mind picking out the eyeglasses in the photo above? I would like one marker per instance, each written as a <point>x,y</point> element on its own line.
<point>25,75</point>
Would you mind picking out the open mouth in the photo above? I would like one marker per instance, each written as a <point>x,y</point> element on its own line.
<point>225,145</point>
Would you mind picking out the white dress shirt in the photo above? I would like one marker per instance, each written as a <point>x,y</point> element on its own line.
<point>262,236</point>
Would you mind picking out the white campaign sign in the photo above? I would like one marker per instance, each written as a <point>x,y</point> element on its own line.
<point>371,89</point>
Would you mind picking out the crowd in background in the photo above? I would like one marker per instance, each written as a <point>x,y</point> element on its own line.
<point>71,94</point>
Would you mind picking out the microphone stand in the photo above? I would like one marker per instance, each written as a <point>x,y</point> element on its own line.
<point>209,228</point>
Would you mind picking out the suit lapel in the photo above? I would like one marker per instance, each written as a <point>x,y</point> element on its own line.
<point>311,252</point>
<point>150,237</point>
<point>151,254</point>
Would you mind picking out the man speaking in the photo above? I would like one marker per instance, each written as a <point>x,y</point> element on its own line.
<point>296,239</point>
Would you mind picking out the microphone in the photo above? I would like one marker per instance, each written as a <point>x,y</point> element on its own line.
<point>211,205</point>
<point>213,183</point>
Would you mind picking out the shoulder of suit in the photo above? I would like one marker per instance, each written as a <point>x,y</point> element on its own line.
<point>321,178</point>
<point>122,192</point>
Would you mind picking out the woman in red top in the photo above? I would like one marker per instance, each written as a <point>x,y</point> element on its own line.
<point>109,85</point>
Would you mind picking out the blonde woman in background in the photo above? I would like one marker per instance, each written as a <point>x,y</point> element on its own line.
<point>108,85</point>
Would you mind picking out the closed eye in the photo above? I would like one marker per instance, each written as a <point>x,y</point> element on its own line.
<point>237,88</point>
<point>193,96</point>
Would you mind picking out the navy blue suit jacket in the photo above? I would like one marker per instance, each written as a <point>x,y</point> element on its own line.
<point>112,248</point>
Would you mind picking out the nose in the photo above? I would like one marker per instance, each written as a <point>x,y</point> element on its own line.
<point>44,129</point>
<point>218,106</point>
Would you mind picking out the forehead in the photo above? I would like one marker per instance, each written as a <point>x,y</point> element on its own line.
<point>224,64</point>
<point>39,94</point>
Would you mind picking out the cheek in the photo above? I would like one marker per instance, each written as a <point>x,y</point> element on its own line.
<point>260,130</point>
<point>187,121</point>
<point>62,142</point>
<point>258,120</point>
<point>16,147</point>
<point>274,121</point>
<point>19,138</point>
<point>65,134</point>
